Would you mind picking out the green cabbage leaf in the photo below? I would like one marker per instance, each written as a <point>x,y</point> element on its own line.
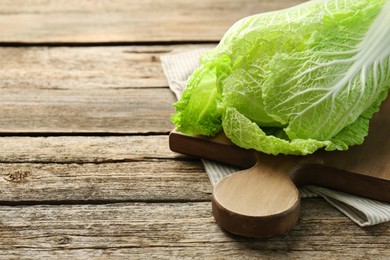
<point>295,80</point>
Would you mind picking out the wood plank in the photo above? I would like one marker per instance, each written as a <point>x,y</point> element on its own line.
<point>84,21</point>
<point>150,180</point>
<point>85,111</point>
<point>69,169</point>
<point>182,230</point>
<point>85,68</point>
<point>84,90</point>
<point>85,149</point>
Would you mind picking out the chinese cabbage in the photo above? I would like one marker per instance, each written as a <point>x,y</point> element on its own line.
<point>295,80</point>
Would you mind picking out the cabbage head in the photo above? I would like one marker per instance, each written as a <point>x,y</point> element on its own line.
<point>295,80</point>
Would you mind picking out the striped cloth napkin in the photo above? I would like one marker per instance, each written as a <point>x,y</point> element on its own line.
<point>364,212</point>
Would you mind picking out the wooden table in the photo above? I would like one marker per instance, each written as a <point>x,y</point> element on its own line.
<point>86,171</point>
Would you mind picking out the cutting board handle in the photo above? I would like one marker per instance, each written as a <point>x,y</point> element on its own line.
<point>258,202</point>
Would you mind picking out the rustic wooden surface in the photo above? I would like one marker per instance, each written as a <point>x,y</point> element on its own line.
<point>85,169</point>
<point>84,21</point>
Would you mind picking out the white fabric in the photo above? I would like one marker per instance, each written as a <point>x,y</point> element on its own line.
<point>364,212</point>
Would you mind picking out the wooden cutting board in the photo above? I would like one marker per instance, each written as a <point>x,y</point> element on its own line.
<point>263,201</point>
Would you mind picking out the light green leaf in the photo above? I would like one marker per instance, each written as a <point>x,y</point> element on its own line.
<point>295,80</point>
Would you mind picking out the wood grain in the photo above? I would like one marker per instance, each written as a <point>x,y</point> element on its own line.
<point>85,111</point>
<point>105,21</point>
<point>90,68</point>
<point>258,202</point>
<point>85,149</point>
<point>64,190</point>
<point>182,230</point>
<point>150,180</point>
<point>85,90</point>
<point>105,169</point>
